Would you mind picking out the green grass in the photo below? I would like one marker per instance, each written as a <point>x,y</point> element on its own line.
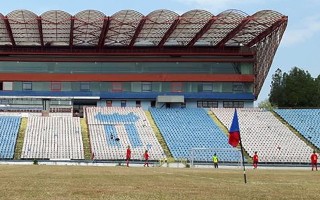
<point>20,139</point>
<point>159,136</point>
<point>85,139</point>
<point>82,182</point>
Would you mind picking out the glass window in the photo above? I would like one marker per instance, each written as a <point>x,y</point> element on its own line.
<point>123,103</point>
<point>146,87</point>
<point>138,104</point>
<point>207,87</point>
<point>199,104</point>
<point>55,86</point>
<point>207,104</point>
<point>84,86</point>
<point>233,104</point>
<point>176,87</point>
<point>116,87</point>
<point>237,87</point>
<point>109,103</point>
<point>27,86</point>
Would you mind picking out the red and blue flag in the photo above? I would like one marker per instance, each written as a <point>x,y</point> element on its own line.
<point>234,132</point>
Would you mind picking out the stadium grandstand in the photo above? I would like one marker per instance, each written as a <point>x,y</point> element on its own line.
<point>197,59</point>
<point>86,86</point>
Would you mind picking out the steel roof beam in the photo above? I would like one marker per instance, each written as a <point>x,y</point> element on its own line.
<point>104,31</point>
<point>169,32</point>
<point>8,27</point>
<point>40,30</point>
<point>235,31</point>
<point>269,30</point>
<point>204,29</point>
<point>138,30</point>
<point>71,32</point>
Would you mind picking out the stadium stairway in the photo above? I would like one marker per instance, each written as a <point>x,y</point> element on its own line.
<point>85,139</point>
<point>296,132</point>
<point>225,130</point>
<point>20,138</point>
<point>158,135</point>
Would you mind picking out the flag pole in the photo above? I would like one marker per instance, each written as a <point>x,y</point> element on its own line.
<point>235,139</point>
<point>243,166</point>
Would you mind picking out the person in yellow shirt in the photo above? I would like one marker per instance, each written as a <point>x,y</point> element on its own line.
<point>215,160</point>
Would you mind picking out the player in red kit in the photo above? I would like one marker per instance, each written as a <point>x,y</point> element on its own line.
<point>314,160</point>
<point>128,155</point>
<point>146,158</point>
<point>255,160</point>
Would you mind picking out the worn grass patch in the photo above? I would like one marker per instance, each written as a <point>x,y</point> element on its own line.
<point>20,138</point>
<point>78,182</point>
<point>85,139</point>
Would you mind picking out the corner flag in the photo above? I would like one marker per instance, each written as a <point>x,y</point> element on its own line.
<point>235,139</point>
<point>234,132</point>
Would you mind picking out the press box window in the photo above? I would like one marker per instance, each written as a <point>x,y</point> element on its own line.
<point>55,86</point>
<point>207,104</point>
<point>176,87</point>
<point>84,86</point>
<point>233,104</point>
<point>27,86</point>
<point>117,87</point>
<point>123,103</point>
<point>207,87</point>
<point>146,87</point>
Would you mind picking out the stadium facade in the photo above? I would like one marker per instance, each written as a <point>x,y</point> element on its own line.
<point>163,59</point>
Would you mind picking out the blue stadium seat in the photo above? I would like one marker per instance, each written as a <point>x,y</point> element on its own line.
<point>8,135</point>
<point>187,128</point>
<point>305,121</point>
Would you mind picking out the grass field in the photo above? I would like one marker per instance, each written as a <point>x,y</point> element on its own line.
<point>90,182</point>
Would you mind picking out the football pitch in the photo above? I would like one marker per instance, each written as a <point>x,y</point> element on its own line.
<point>93,182</point>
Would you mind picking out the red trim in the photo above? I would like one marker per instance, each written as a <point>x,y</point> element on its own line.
<point>134,51</point>
<point>204,29</point>
<point>137,32</point>
<point>119,59</point>
<point>104,31</point>
<point>127,77</point>
<point>169,32</point>
<point>40,30</point>
<point>235,31</point>
<point>8,27</point>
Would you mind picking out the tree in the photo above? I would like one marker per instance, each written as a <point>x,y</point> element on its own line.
<point>276,97</point>
<point>265,104</point>
<point>295,89</point>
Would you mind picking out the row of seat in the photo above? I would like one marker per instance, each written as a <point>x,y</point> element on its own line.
<point>306,121</point>
<point>261,131</point>
<point>190,133</point>
<point>185,129</point>
<point>53,138</point>
<point>8,135</point>
<point>112,129</point>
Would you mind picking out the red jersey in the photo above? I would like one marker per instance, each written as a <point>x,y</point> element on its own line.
<point>128,153</point>
<point>255,158</point>
<point>146,156</point>
<point>314,158</point>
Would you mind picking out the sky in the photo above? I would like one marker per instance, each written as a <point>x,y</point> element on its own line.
<point>299,46</point>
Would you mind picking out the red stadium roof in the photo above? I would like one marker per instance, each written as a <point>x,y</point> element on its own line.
<point>260,32</point>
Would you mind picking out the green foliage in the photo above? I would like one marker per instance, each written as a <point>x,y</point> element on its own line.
<point>265,104</point>
<point>20,139</point>
<point>295,89</point>
<point>85,139</point>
